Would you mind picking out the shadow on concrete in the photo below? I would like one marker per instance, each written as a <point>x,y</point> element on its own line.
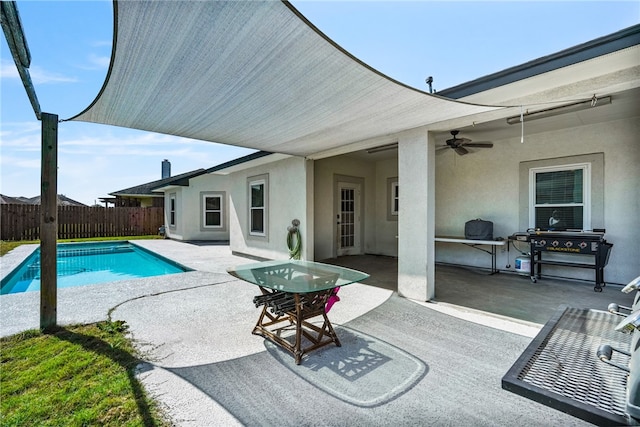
<point>422,368</point>
<point>207,242</point>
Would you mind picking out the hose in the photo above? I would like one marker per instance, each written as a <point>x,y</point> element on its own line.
<point>295,248</point>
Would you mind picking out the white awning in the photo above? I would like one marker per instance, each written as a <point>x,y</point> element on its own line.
<point>252,74</point>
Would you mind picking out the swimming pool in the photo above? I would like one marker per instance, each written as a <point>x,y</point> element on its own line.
<point>81,264</point>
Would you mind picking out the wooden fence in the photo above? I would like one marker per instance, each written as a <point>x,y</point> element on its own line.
<point>22,222</point>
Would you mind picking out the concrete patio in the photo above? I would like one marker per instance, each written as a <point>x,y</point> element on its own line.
<point>402,362</point>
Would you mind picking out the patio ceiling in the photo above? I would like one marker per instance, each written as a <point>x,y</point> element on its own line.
<point>250,74</point>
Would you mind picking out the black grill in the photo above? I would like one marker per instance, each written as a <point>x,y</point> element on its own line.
<point>560,367</point>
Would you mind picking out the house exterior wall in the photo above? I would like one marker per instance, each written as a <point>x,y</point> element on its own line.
<point>175,230</point>
<point>327,173</point>
<point>190,214</point>
<point>486,184</point>
<point>386,224</point>
<point>287,199</point>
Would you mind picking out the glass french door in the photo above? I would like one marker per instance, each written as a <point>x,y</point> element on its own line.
<point>348,216</point>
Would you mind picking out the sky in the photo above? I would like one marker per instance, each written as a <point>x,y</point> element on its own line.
<point>70,45</point>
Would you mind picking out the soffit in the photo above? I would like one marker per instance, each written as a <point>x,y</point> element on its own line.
<point>251,74</point>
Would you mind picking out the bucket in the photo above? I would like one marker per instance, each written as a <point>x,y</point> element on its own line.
<point>523,265</point>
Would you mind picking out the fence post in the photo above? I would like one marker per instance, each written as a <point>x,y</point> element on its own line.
<point>49,222</point>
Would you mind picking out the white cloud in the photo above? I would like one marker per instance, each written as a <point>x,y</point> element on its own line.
<point>94,160</point>
<point>38,75</point>
<point>98,62</point>
<point>8,70</point>
<point>20,136</point>
<point>18,162</point>
<point>10,129</point>
<point>42,76</point>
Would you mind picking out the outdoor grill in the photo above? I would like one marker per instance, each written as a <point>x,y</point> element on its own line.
<point>586,363</point>
<point>592,246</point>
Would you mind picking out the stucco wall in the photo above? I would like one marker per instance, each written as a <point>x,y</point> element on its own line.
<point>485,184</point>
<point>176,230</point>
<point>287,200</point>
<point>327,171</point>
<point>190,214</point>
<point>386,226</point>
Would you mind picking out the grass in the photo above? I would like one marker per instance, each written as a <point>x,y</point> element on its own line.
<point>74,376</point>
<point>6,246</point>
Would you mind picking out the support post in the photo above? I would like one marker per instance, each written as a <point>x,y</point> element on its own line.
<point>49,222</point>
<point>416,220</point>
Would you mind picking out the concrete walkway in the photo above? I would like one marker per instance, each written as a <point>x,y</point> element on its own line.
<point>206,369</point>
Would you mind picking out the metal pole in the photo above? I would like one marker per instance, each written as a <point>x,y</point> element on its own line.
<point>49,222</point>
<point>14,34</point>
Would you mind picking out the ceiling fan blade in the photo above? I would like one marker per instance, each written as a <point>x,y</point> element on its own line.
<point>460,150</point>
<point>457,142</point>
<point>479,144</point>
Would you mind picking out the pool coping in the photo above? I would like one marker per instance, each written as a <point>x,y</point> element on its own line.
<point>21,259</point>
<point>15,258</point>
<point>92,303</point>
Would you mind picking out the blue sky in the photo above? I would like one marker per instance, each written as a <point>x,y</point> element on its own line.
<point>70,44</point>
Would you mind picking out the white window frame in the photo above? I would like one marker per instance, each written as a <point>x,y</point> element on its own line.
<point>394,199</point>
<point>586,189</point>
<point>264,181</point>
<point>172,210</point>
<point>206,196</point>
<point>392,185</point>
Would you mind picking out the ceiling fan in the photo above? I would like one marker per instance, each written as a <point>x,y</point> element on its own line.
<point>459,144</point>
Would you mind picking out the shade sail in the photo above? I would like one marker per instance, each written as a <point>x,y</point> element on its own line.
<point>252,74</point>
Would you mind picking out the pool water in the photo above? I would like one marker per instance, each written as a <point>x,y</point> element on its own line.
<point>81,264</point>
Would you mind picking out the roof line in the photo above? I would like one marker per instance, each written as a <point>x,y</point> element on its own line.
<point>238,161</point>
<point>592,49</point>
<point>184,181</point>
<point>157,183</point>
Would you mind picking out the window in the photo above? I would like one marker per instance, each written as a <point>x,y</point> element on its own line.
<point>172,209</point>
<point>393,199</point>
<point>258,198</point>
<point>212,210</point>
<point>560,197</point>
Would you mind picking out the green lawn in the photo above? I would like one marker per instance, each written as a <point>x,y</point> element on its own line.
<point>74,376</point>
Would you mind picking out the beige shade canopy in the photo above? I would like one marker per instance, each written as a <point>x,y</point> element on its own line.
<point>252,74</point>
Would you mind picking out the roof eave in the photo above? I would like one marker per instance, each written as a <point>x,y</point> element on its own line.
<point>592,49</point>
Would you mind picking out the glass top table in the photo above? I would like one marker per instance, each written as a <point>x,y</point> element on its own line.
<point>295,276</point>
<point>292,293</point>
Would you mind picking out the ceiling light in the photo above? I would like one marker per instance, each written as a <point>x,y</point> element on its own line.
<point>562,109</point>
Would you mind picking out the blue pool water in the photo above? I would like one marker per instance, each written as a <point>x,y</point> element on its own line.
<point>81,264</point>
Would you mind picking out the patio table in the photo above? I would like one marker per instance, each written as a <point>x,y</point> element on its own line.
<point>292,293</point>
